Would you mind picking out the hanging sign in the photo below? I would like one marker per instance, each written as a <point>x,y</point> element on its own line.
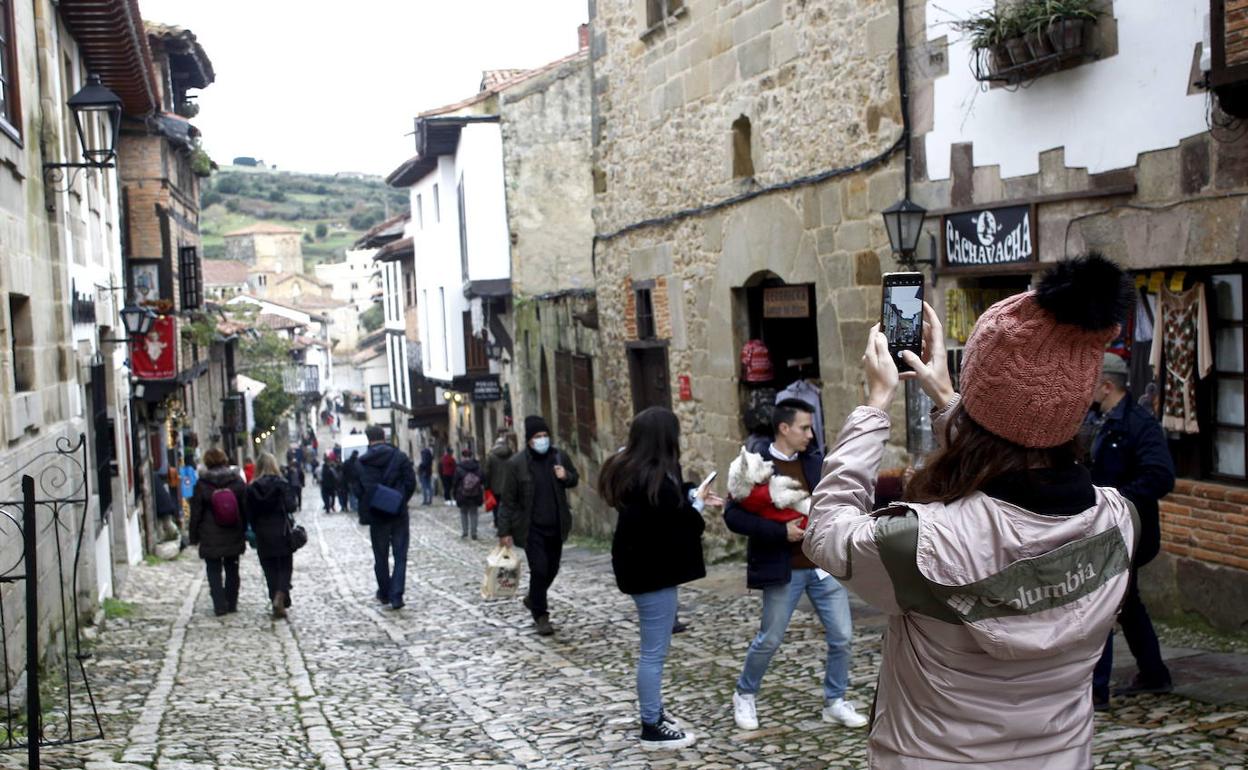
<point>154,356</point>
<point>786,302</point>
<point>990,237</point>
<point>486,389</point>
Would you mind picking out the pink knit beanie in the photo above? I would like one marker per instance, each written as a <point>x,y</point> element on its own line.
<point>1032,360</point>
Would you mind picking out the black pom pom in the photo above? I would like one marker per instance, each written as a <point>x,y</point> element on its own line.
<point>1090,292</point>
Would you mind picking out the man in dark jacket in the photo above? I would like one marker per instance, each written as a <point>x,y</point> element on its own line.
<point>425,473</point>
<point>388,533</point>
<point>349,481</point>
<point>775,563</point>
<point>496,467</point>
<point>535,513</point>
<point>1128,452</point>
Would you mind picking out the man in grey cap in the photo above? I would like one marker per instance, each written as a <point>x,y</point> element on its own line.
<point>1126,450</point>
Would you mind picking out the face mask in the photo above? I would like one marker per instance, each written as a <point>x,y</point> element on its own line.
<point>541,445</point>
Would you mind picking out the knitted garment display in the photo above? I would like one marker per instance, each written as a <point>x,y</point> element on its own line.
<point>1182,343</point>
<point>1028,378</point>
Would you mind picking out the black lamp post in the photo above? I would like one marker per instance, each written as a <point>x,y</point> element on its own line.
<point>94,99</point>
<point>904,223</point>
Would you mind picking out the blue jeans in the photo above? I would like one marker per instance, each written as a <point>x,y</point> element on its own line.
<point>831,602</point>
<point>387,535</point>
<point>426,489</point>
<point>656,612</point>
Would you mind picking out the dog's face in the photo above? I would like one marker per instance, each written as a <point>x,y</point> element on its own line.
<point>757,470</point>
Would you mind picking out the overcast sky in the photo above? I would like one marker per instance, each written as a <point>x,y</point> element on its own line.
<point>326,86</point>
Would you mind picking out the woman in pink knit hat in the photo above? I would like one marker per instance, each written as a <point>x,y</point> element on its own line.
<point>1004,572</point>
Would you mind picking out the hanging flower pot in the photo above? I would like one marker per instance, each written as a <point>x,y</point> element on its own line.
<point>999,59</point>
<point>1038,43</point>
<point>1069,36</point>
<point>1017,48</point>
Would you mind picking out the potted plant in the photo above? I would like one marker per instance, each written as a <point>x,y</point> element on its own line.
<point>995,35</point>
<point>1034,18</point>
<point>1068,24</point>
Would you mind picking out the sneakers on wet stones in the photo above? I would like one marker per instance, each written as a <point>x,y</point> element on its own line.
<point>665,735</point>
<point>842,712</point>
<point>744,711</point>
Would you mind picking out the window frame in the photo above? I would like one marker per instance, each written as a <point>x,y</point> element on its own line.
<point>661,12</point>
<point>190,278</point>
<point>646,326</point>
<point>378,393</point>
<point>11,111</point>
<point>1216,324</point>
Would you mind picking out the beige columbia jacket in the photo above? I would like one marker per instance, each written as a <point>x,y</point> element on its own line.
<point>998,614</point>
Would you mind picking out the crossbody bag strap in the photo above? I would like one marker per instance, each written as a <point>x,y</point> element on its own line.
<point>390,467</point>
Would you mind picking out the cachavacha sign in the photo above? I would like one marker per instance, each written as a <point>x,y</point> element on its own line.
<point>988,237</point>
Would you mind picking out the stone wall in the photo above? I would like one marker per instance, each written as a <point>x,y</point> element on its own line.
<point>817,82</point>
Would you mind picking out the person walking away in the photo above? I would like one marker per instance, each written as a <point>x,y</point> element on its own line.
<point>425,474</point>
<point>1128,452</point>
<point>469,490</point>
<point>218,516</point>
<point>777,566</point>
<point>385,465</point>
<point>347,494</point>
<point>536,515</point>
<point>269,504</point>
<point>496,466</point>
<point>657,546</point>
<point>1002,572</point>
<point>446,469</point>
<point>329,483</point>
<point>294,477</point>
<point>249,470</point>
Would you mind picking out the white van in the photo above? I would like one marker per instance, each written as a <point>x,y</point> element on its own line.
<point>352,442</point>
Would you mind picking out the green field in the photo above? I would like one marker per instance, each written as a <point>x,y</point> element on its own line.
<point>235,198</point>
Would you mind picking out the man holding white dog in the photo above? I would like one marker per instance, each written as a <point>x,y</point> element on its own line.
<point>777,566</point>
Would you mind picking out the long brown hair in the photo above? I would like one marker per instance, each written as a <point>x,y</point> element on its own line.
<point>652,455</point>
<point>972,456</point>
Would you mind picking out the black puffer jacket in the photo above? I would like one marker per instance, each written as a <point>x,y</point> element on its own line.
<point>463,497</point>
<point>266,512</point>
<point>657,546</point>
<point>217,542</point>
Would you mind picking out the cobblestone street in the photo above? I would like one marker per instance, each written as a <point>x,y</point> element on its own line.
<point>455,681</point>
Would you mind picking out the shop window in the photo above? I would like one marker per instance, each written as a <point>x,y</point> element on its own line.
<point>10,105</point>
<point>742,157</point>
<point>645,314</point>
<point>1229,455</point>
<point>21,340</point>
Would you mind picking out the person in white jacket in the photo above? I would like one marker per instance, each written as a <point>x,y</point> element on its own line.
<point>1004,572</point>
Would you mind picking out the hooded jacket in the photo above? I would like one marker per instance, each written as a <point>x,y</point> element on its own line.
<point>997,614</point>
<point>463,498</point>
<point>217,542</point>
<point>267,514</point>
<point>372,465</point>
<point>496,465</point>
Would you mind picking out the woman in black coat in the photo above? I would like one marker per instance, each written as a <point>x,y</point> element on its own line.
<point>329,484</point>
<point>657,546</point>
<point>269,507</point>
<point>219,545</point>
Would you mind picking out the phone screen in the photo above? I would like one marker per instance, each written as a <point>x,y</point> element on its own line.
<point>901,318</point>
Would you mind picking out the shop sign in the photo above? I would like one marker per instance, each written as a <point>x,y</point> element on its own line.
<point>786,302</point>
<point>686,388</point>
<point>990,237</point>
<point>154,356</point>
<point>486,389</point>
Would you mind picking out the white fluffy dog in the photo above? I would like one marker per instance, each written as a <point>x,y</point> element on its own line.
<point>750,470</point>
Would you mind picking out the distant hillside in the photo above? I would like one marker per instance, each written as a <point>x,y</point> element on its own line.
<point>332,211</point>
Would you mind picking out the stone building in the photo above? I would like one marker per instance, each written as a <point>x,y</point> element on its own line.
<point>743,151</point>
<point>1135,151</point>
<point>266,247</point>
<point>61,371</point>
<point>546,160</point>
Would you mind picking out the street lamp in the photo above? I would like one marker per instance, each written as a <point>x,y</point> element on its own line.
<point>137,320</point>
<point>94,99</point>
<point>904,223</point>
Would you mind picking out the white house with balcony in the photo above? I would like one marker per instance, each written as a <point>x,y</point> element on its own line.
<point>462,264</point>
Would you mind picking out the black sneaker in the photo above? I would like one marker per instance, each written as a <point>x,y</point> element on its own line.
<point>664,736</point>
<point>1100,701</point>
<point>1141,686</point>
<point>678,627</point>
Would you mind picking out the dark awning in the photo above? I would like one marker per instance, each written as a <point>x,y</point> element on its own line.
<point>114,43</point>
<point>492,287</point>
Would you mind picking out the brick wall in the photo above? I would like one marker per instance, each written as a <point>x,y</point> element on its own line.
<point>1236,32</point>
<point>1206,521</point>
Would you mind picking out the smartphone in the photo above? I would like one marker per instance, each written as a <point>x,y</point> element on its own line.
<point>706,482</point>
<point>901,315</point>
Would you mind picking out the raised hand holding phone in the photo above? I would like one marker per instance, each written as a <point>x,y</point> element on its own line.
<point>901,316</point>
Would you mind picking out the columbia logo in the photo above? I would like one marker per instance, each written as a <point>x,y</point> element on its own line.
<point>961,603</point>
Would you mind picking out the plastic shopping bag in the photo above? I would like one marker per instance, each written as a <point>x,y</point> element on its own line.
<point>503,570</point>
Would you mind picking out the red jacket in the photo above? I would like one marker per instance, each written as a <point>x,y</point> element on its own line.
<point>759,502</point>
<point>447,465</point>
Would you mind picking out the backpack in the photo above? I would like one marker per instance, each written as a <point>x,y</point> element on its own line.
<point>470,485</point>
<point>224,508</point>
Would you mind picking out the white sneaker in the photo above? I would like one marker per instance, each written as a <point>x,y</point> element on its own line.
<point>842,712</point>
<point>744,711</point>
